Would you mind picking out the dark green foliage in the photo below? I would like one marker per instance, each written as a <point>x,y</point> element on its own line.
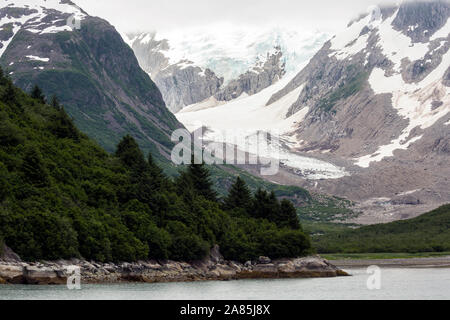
<point>9,93</point>
<point>427,233</point>
<point>348,89</point>
<point>265,205</point>
<point>5,187</point>
<point>61,125</point>
<point>201,181</point>
<point>129,153</point>
<point>10,134</point>
<point>62,196</point>
<point>239,197</point>
<point>37,94</point>
<point>33,168</point>
<point>288,215</point>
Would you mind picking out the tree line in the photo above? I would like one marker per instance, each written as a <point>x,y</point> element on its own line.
<point>62,196</point>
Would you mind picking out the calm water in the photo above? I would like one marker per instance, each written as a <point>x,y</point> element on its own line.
<point>396,284</point>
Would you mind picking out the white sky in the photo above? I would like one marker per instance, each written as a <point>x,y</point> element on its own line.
<point>165,15</point>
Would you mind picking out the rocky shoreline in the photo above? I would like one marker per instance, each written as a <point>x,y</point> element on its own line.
<point>214,268</point>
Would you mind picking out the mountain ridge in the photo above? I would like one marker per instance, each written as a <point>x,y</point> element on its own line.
<point>91,69</point>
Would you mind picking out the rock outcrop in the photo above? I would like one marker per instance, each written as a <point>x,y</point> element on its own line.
<point>378,104</point>
<point>261,76</point>
<point>183,83</point>
<point>213,268</point>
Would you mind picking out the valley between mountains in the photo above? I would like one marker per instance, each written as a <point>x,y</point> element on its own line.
<point>363,118</point>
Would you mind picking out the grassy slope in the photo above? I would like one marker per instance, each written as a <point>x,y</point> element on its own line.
<point>427,233</point>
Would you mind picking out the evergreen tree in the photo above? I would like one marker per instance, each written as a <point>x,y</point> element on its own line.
<point>4,79</point>
<point>54,102</point>
<point>130,154</point>
<point>156,172</point>
<point>239,196</point>
<point>62,125</point>
<point>289,217</point>
<point>34,169</point>
<point>9,94</point>
<point>37,94</point>
<point>4,182</point>
<point>185,187</point>
<point>266,206</point>
<point>201,181</point>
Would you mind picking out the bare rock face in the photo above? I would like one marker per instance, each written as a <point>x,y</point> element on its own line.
<point>264,260</point>
<point>183,83</point>
<point>8,255</point>
<point>263,75</point>
<point>43,275</point>
<point>11,273</point>
<point>363,95</point>
<point>419,20</point>
<point>187,85</point>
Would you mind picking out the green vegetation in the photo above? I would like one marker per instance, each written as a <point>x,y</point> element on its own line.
<point>98,80</point>
<point>347,89</point>
<point>62,196</point>
<point>326,209</point>
<point>426,233</point>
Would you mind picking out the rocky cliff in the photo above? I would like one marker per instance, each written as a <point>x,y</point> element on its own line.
<point>378,100</point>
<point>262,75</point>
<point>183,82</point>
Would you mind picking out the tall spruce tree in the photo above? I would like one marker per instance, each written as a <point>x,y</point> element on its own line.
<point>266,206</point>
<point>54,102</point>
<point>130,154</point>
<point>34,169</point>
<point>239,196</point>
<point>36,93</point>
<point>201,181</point>
<point>289,216</point>
<point>9,94</point>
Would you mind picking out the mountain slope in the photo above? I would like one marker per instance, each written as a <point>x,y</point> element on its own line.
<point>392,51</point>
<point>62,197</point>
<point>92,70</point>
<point>372,104</point>
<point>427,233</point>
<point>221,63</point>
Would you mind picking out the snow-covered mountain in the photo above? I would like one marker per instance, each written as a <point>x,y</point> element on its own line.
<point>223,61</point>
<point>85,62</point>
<point>373,103</point>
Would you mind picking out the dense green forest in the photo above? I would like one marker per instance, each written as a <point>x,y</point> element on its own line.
<point>62,196</point>
<point>427,233</point>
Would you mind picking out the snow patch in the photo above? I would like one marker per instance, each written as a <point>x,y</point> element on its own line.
<point>231,50</point>
<point>406,193</point>
<point>41,8</point>
<point>413,102</point>
<point>38,58</point>
<point>248,115</point>
<point>396,46</point>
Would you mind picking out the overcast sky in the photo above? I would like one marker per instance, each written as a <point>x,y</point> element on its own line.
<point>154,15</point>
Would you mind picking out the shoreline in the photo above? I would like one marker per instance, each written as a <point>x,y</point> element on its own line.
<point>433,262</point>
<point>214,268</point>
